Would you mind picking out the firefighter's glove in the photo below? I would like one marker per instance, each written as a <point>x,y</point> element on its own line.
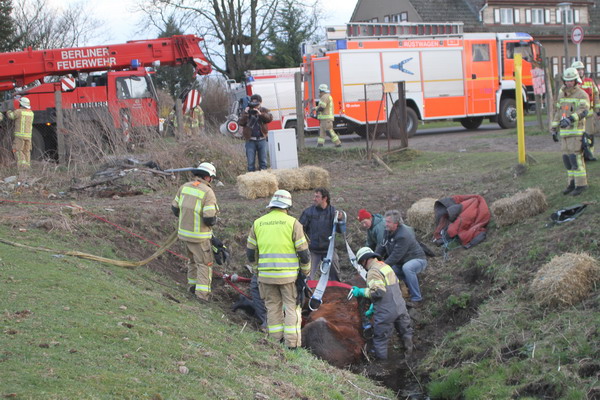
<point>598,113</point>
<point>369,313</point>
<point>554,134</point>
<point>300,288</point>
<point>219,250</point>
<point>358,292</point>
<point>566,122</point>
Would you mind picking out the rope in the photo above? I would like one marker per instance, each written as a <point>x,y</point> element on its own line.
<point>97,217</point>
<point>127,264</point>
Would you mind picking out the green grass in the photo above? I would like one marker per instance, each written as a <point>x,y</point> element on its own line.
<point>78,329</point>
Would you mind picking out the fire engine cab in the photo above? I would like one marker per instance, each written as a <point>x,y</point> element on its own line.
<point>447,74</point>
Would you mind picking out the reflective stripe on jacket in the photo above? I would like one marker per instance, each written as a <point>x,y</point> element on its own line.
<point>195,201</point>
<point>571,102</point>
<point>273,235</point>
<point>589,86</point>
<point>325,107</point>
<point>23,122</point>
<point>384,291</point>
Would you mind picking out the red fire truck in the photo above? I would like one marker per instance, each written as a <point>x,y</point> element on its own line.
<point>110,82</point>
<point>447,74</point>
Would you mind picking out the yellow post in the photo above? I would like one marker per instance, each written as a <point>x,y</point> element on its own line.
<point>519,100</point>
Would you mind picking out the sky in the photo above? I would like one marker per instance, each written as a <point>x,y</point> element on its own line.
<point>121,23</point>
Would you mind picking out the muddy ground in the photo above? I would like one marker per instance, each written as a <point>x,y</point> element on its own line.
<point>354,183</point>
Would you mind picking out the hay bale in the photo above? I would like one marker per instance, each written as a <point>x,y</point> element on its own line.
<point>257,184</point>
<point>565,280</point>
<point>316,176</point>
<point>518,207</point>
<point>421,216</point>
<point>291,179</point>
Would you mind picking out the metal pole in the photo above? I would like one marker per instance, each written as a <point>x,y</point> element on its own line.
<point>566,43</point>
<point>299,111</point>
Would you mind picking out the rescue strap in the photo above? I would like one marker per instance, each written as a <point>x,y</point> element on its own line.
<point>361,271</point>
<point>313,283</point>
<point>317,298</point>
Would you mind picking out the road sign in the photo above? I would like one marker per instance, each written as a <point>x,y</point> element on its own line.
<point>577,34</point>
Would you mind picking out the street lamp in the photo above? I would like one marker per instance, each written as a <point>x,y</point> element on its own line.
<point>564,9</point>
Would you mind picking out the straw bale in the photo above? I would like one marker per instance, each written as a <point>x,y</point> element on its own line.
<point>316,176</point>
<point>518,207</point>
<point>421,216</point>
<point>291,179</point>
<point>257,184</point>
<point>565,280</point>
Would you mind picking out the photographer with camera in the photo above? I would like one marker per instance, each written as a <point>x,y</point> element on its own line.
<point>254,121</point>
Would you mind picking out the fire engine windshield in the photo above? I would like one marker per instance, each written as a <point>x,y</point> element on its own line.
<point>132,87</point>
<point>522,47</point>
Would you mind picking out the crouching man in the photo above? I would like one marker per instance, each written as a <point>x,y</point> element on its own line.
<point>388,307</point>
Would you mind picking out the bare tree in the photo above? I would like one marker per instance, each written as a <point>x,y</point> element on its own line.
<point>234,30</point>
<point>42,27</point>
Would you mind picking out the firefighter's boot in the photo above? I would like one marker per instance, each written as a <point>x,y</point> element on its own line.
<point>569,188</point>
<point>578,190</point>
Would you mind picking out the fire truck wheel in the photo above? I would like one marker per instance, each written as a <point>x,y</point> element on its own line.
<point>471,122</point>
<point>412,122</point>
<point>507,119</point>
<point>38,145</point>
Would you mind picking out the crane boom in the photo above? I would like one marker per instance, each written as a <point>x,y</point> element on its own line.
<point>23,67</point>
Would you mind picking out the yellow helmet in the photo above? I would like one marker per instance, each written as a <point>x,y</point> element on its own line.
<point>281,199</point>
<point>571,74</point>
<point>577,65</point>
<point>365,252</point>
<point>207,168</point>
<point>24,102</point>
<point>323,88</point>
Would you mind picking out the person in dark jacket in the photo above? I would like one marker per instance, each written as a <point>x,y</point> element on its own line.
<point>388,307</point>
<point>374,225</point>
<point>403,253</point>
<point>317,221</point>
<point>254,121</point>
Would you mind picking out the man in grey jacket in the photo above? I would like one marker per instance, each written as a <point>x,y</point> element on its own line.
<point>403,253</point>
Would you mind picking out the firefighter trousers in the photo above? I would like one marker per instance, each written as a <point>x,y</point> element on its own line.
<point>326,128</point>
<point>22,150</point>
<point>283,314</point>
<point>573,160</point>
<point>200,267</point>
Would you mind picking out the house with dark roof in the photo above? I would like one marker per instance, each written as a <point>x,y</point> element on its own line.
<point>547,21</point>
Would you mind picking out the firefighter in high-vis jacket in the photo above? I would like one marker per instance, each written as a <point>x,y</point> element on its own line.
<point>279,251</point>
<point>193,121</point>
<point>592,124</point>
<point>23,118</point>
<point>196,207</point>
<point>325,116</point>
<point>572,107</point>
<point>388,307</point>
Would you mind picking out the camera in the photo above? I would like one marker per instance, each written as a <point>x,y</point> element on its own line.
<point>253,105</point>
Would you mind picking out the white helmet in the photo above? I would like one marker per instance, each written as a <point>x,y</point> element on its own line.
<point>208,168</point>
<point>24,102</point>
<point>364,253</point>
<point>281,199</point>
<point>323,88</point>
<point>577,65</point>
<point>571,74</point>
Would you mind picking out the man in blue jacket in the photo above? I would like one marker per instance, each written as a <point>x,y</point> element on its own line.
<point>375,226</point>
<point>317,221</point>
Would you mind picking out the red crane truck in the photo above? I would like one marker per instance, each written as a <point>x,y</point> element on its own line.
<point>109,81</point>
